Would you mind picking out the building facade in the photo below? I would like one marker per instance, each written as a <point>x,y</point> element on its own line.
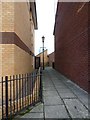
<point>18,20</point>
<point>17,24</point>
<point>45,57</point>
<point>71,41</point>
<point>51,59</point>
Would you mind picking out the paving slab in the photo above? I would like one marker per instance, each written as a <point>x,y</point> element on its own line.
<point>62,99</point>
<point>58,84</point>
<point>58,111</point>
<point>33,115</point>
<point>50,93</point>
<point>81,94</point>
<point>47,84</point>
<point>76,108</point>
<point>61,87</point>
<point>54,79</point>
<point>67,95</point>
<point>37,109</point>
<point>66,90</point>
<point>28,118</point>
<point>56,100</point>
<point>49,88</point>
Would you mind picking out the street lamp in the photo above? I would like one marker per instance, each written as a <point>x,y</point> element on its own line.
<point>43,50</point>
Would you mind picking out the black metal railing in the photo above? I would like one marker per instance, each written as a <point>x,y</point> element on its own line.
<point>20,91</point>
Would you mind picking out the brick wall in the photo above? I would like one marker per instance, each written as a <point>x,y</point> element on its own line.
<point>0,60</point>
<point>71,42</point>
<point>16,39</point>
<point>24,61</point>
<point>22,24</point>
<point>0,15</point>
<point>45,58</point>
<point>51,58</point>
<point>16,17</point>
<point>7,16</point>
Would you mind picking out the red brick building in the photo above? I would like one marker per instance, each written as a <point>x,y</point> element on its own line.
<point>71,41</point>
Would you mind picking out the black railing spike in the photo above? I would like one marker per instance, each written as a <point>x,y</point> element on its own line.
<point>6,95</point>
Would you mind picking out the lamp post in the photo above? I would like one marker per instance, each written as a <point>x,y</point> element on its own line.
<point>43,50</point>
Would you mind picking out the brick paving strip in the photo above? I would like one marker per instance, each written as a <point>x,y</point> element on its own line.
<point>62,99</point>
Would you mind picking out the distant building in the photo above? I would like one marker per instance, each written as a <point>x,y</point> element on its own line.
<point>51,59</point>
<point>45,57</point>
<point>18,21</point>
<point>71,41</point>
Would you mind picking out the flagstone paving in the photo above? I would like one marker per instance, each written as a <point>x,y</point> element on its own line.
<point>62,99</point>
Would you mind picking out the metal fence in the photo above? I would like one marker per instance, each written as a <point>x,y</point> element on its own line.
<point>20,91</point>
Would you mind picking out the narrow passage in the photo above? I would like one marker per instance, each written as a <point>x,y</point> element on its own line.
<point>62,99</point>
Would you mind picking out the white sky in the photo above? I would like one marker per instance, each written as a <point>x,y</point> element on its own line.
<point>46,19</point>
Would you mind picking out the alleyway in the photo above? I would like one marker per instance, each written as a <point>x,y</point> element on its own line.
<point>61,99</point>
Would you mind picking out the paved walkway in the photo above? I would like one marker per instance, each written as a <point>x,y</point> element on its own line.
<point>61,99</point>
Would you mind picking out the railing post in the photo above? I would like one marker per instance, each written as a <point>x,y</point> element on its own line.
<point>27,89</point>
<point>17,91</point>
<point>2,98</point>
<point>10,98</point>
<point>6,93</point>
<point>22,93</point>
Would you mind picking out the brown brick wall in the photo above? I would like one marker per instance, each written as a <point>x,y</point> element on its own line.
<point>0,17</point>
<point>22,23</point>
<point>23,61</point>
<point>71,42</point>
<point>0,60</point>
<point>8,59</point>
<point>16,18</point>
<point>51,58</point>
<point>7,12</point>
<point>15,60</point>
<point>45,57</point>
